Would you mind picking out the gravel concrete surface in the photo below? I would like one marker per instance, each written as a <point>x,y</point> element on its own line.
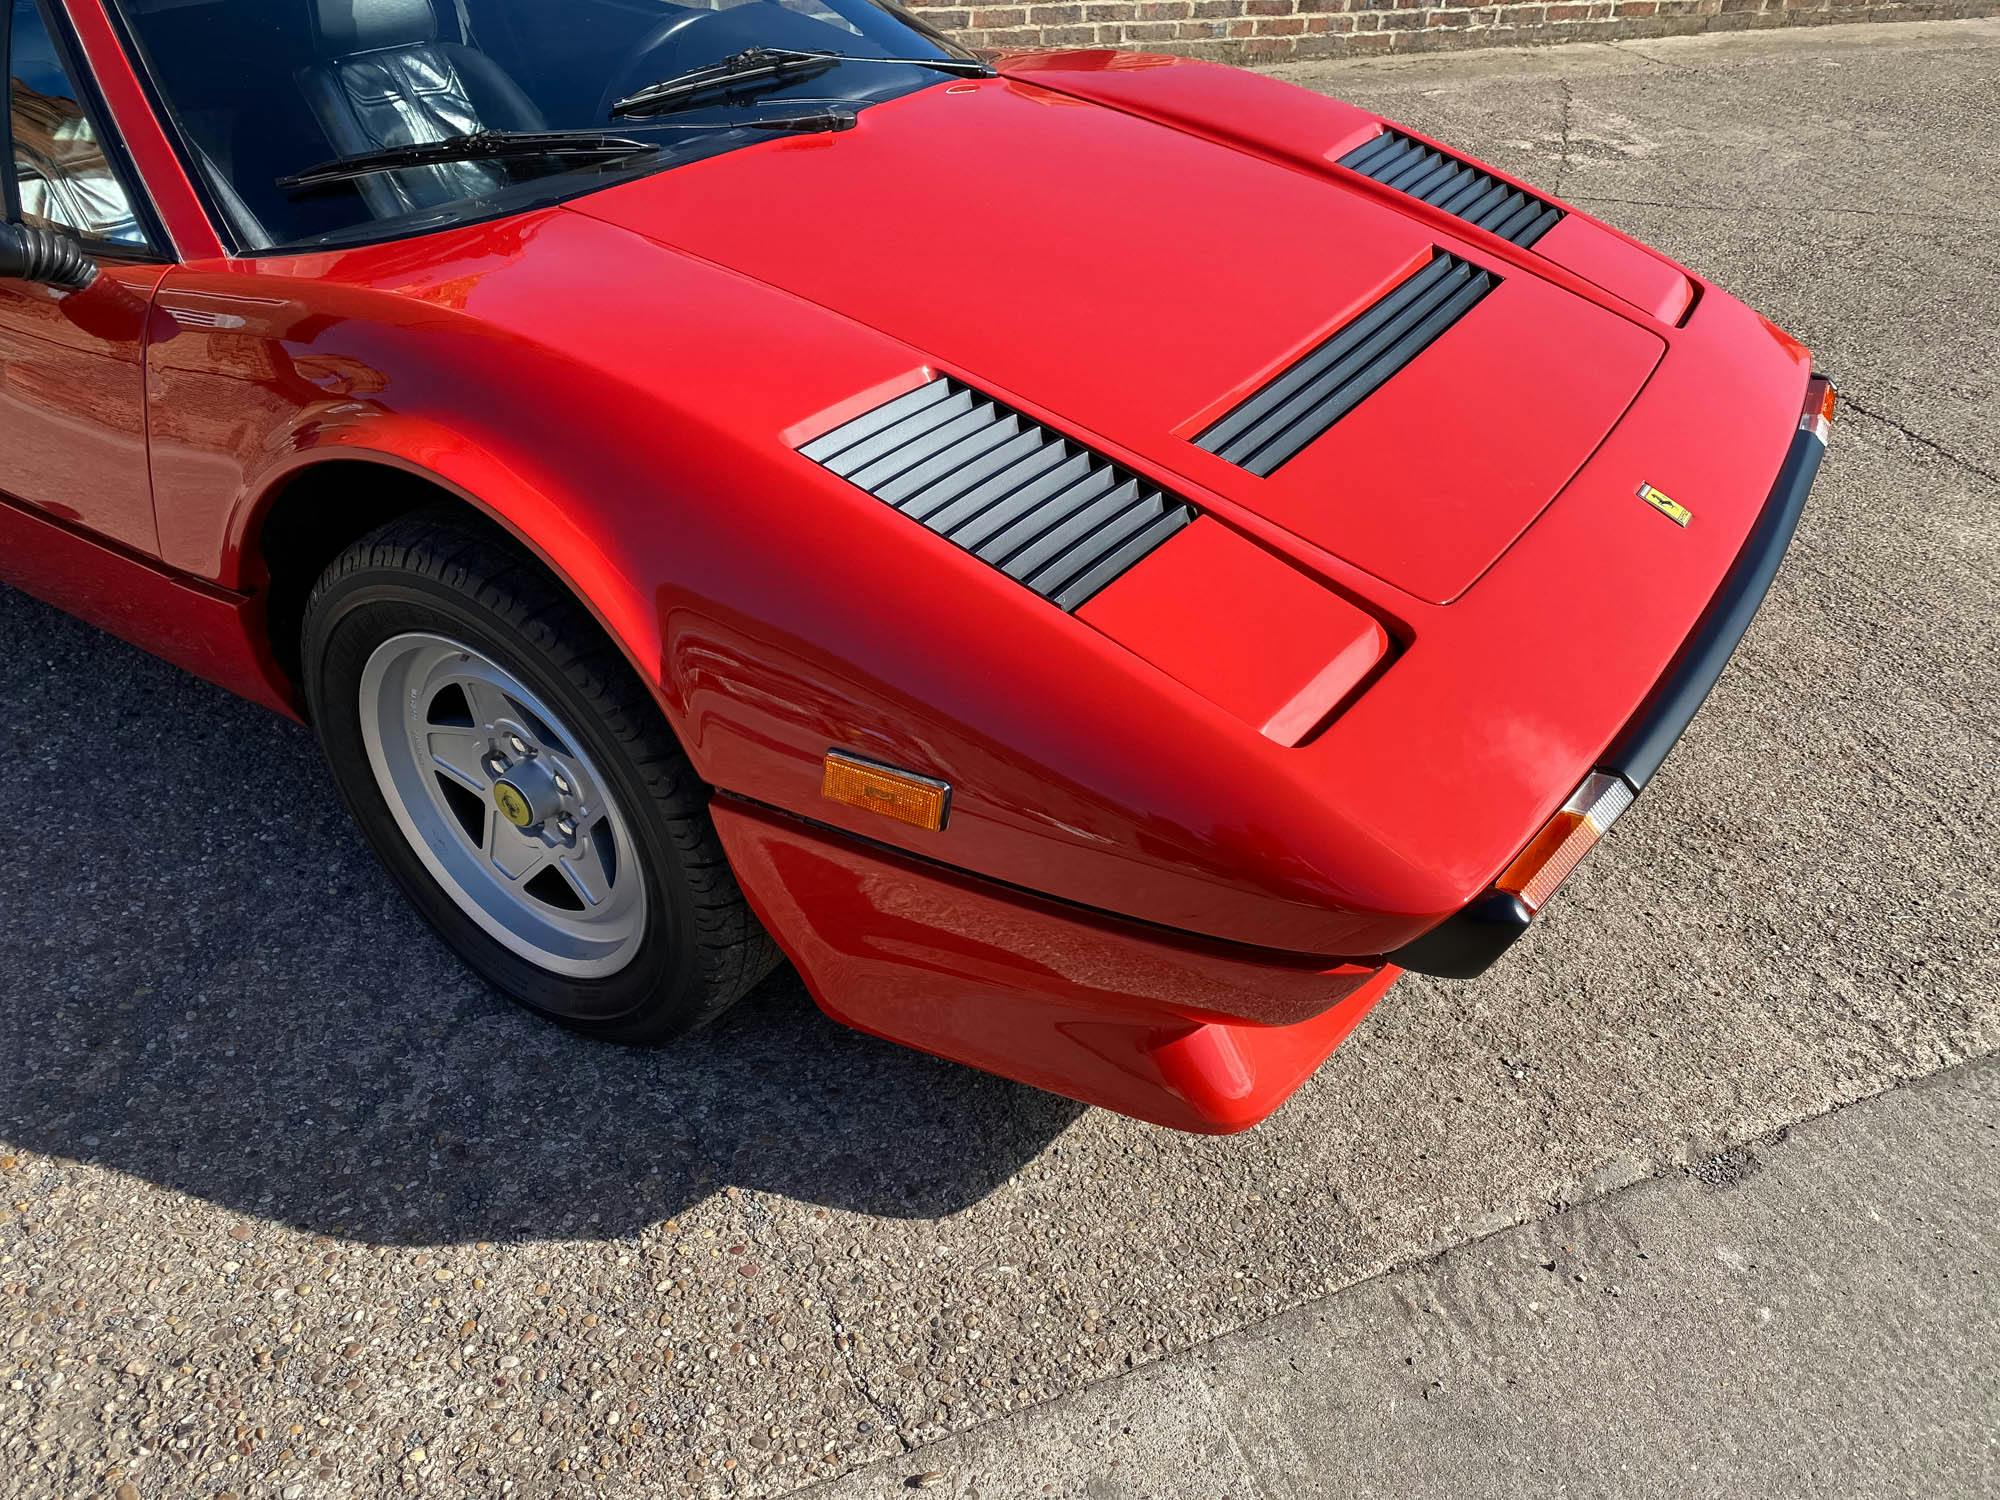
<point>291,1206</point>
<point>1817,1315</point>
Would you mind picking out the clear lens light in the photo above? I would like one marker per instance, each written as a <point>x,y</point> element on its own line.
<point>1572,833</point>
<point>1818,416</point>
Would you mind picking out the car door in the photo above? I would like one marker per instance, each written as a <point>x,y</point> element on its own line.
<point>72,365</point>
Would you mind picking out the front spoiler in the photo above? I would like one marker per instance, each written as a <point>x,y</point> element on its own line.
<point>1185,1032</point>
<point>1467,944</point>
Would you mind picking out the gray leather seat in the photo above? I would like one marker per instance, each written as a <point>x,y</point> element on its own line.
<point>384,78</point>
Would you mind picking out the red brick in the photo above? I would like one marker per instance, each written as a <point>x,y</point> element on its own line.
<point>1011,36</point>
<point>1260,30</point>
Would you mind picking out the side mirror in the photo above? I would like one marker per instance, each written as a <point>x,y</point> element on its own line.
<point>29,254</point>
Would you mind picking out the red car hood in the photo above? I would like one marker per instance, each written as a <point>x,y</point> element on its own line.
<point>1134,282</point>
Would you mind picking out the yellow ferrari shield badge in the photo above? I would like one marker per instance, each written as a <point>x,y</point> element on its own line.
<point>513,806</point>
<point>1666,505</point>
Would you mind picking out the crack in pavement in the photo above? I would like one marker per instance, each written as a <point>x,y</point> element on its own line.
<point>1659,62</point>
<point>1911,215</point>
<point>843,1342</point>
<point>1795,208</point>
<point>1848,403</point>
<point>1204,1377</point>
<point>1568,98</point>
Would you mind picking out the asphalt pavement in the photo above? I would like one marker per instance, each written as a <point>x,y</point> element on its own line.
<point>290,1205</point>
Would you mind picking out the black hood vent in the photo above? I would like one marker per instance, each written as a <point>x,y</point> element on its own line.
<point>1293,410</point>
<point>1042,509</point>
<point>1454,186</point>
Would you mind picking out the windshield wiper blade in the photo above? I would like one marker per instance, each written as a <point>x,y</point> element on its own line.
<point>480,145</point>
<point>764,67</point>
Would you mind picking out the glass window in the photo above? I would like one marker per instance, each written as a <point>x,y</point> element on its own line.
<point>63,177</point>
<point>304,82</point>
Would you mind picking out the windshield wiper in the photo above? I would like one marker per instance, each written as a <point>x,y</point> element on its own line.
<point>758,68</point>
<point>481,145</point>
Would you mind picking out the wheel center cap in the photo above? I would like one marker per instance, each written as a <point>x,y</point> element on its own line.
<point>513,804</point>
<point>527,795</point>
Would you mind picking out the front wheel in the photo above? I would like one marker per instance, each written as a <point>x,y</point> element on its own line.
<point>520,785</point>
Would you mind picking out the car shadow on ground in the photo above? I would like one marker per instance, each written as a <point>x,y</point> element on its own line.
<point>205,982</point>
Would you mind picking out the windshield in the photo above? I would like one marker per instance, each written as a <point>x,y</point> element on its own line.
<point>265,90</point>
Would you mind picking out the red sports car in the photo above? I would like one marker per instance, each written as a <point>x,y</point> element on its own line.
<point>1102,560</point>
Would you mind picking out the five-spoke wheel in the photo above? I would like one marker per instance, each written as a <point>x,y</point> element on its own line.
<point>518,780</point>
<point>505,810</point>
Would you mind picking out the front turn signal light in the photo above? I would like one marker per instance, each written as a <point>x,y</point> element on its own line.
<point>1818,415</point>
<point>1572,833</point>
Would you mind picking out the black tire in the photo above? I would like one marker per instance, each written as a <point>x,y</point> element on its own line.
<point>437,571</point>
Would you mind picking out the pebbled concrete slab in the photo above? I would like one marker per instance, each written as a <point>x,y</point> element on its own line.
<point>1816,1315</point>
<point>287,1200</point>
<point>1843,188</point>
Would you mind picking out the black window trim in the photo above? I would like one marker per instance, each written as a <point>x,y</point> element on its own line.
<point>159,249</point>
<point>10,190</point>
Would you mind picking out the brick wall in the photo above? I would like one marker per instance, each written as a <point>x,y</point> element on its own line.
<point>1245,31</point>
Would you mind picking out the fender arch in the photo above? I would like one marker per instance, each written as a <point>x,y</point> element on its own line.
<point>419,463</point>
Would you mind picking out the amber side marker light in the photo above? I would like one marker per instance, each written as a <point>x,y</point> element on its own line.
<point>902,795</point>
<point>1572,833</point>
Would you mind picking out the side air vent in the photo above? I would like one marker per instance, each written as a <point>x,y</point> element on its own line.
<point>1293,410</point>
<point>1042,509</point>
<point>1456,187</point>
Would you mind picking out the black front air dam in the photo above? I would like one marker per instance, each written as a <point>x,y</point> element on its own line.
<point>1469,943</point>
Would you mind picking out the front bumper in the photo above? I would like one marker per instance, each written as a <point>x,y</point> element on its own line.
<point>1181,1031</point>
<point>1469,943</point>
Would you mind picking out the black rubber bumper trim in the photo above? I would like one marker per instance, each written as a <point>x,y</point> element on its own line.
<point>1643,744</point>
<point>1470,942</point>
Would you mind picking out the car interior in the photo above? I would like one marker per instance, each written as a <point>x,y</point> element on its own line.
<point>262,88</point>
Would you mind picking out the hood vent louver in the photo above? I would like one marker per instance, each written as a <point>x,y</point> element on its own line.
<point>1291,412</point>
<point>1454,187</point>
<point>1040,507</point>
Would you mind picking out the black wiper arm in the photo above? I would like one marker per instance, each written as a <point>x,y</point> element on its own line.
<point>835,117</point>
<point>838,115</point>
<point>760,68</point>
<point>481,145</point>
